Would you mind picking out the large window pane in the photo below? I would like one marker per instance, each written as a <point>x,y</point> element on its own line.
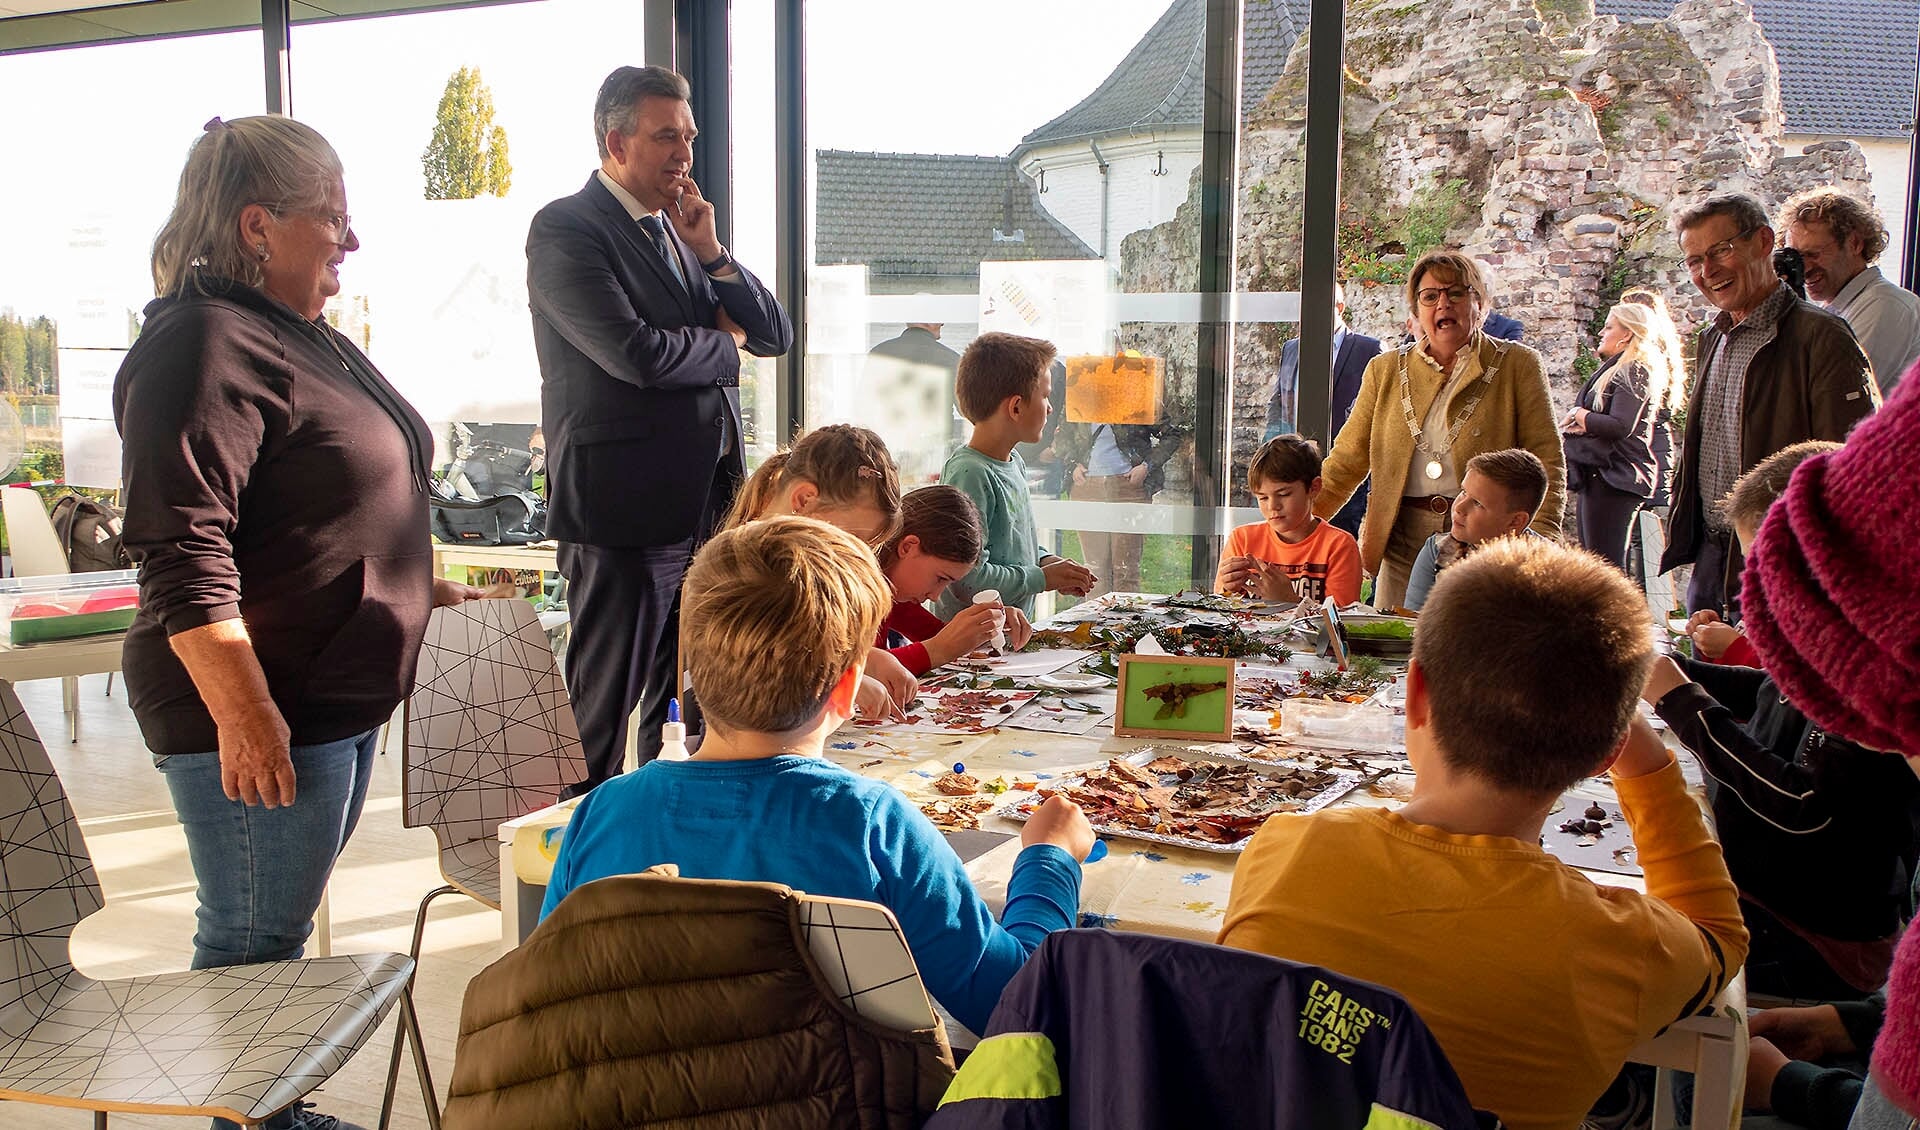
<point>977,187</point>
<point>437,293</point>
<point>1555,150</point>
<point>87,193</point>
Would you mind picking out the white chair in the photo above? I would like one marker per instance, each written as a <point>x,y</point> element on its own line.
<point>489,736</point>
<point>37,552</point>
<point>240,1042</point>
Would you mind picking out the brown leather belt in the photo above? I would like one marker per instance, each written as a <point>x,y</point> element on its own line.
<point>1438,503</point>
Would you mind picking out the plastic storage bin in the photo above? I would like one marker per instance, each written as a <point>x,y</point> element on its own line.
<point>69,606</point>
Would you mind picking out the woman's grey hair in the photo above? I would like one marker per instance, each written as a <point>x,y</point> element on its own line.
<point>617,107</point>
<point>1747,213</point>
<point>268,160</point>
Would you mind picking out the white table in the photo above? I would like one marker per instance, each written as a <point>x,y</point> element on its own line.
<point>63,659</point>
<point>1167,891</point>
<point>543,556</point>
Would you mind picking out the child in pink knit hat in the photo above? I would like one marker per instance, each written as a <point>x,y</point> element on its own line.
<point>1832,602</point>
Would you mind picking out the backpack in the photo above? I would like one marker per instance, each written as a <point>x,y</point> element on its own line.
<point>515,518</point>
<point>89,532</point>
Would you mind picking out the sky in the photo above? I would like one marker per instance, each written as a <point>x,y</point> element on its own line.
<point>102,133</point>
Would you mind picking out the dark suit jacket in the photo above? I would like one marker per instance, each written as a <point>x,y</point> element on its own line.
<point>1349,365</point>
<point>1502,327</point>
<point>639,394</point>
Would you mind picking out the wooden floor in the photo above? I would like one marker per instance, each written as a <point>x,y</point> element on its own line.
<point>147,926</point>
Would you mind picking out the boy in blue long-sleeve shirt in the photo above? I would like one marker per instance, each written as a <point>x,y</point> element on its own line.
<point>776,621</point>
<point>1004,388</point>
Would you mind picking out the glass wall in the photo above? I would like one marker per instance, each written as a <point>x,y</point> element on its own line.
<point>85,192</point>
<point>961,179</point>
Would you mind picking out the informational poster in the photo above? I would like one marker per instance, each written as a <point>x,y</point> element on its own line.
<point>89,443</point>
<point>1063,301</point>
<point>1119,389</point>
<point>837,309</point>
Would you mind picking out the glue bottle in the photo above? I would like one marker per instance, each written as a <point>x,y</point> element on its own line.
<point>673,735</point>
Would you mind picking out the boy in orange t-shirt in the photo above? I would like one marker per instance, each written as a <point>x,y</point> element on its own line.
<point>1292,555</point>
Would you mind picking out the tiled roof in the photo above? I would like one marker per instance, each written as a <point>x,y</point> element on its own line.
<point>931,214</point>
<point>1162,80</point>
<point>1846,66</point>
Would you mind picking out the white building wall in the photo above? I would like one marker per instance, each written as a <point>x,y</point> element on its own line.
<point>1147,178</point>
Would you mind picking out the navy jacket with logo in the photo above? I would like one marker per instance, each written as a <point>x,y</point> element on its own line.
<point>1107,1029</point>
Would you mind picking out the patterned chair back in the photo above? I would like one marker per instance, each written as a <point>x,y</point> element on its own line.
<point>490,732</point>
<point>47,884</point>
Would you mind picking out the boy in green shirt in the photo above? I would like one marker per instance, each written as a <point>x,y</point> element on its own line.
<point>1002,387</point>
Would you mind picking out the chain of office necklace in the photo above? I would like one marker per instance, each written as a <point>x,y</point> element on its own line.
<point>1485,381</point>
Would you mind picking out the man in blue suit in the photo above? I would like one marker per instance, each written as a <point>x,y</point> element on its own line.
<point>1351,352</point>
<point>1502,327</point>
<point>639,317</point>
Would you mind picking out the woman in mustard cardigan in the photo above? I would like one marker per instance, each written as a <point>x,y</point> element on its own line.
<point>1415,441</point>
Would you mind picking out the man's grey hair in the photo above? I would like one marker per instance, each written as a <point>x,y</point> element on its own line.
<point>618,104</point>
<point>1746,212</point>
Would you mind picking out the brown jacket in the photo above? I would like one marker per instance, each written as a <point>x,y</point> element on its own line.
<point>1516,412</point>
<point>646,999</point>
<point>1810,382</point>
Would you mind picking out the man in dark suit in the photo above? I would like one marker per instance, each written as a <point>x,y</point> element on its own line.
<point>1351,352</point>
<point>639,317</point>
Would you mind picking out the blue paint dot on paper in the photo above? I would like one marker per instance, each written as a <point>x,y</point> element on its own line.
<point>1043,776</point>
<point>1195,878</point>
<point>846,745</point>
<point>923,773</point>
<point>1022,752</point>
<point>1091,921</point>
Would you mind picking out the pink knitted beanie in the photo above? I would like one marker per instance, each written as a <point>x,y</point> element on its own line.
<point>1831,595</point>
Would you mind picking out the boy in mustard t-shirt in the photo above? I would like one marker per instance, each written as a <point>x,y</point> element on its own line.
<point>1291,555</point>
<point>1526,675</point>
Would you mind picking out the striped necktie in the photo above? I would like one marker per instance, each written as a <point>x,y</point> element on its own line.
<point>656,230</point>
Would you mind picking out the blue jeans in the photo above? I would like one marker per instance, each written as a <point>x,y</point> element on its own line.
<point>262,871</point>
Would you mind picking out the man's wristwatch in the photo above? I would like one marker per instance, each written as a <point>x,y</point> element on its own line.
<point>720,264</point>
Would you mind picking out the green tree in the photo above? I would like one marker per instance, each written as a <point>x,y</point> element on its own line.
<point>467,154</point>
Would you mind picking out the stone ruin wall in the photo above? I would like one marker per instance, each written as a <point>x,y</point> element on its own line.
<point>1552,145</point>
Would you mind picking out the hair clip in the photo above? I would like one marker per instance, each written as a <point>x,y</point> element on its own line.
<point>214,123</point>
<point>866,473</point>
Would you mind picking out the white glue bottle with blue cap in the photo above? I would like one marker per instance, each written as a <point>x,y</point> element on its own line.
<point>673,735</point>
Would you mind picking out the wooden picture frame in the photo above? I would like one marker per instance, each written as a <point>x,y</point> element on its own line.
<point>1207,716</point>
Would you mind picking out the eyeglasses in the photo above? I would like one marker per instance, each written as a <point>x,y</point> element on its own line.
<point>1431,295</point>
<point>1719,252</point>
<point>340,222</point>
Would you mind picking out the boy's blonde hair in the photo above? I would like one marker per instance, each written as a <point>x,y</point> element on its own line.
<point>1766,481</point>
<point>771,615</point>
<point>997,366</point>
<point>1534,656</point>
<point>849,465</point>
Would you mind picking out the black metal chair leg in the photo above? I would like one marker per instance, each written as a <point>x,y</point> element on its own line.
<point>400,1028</point>
<point>430,1098</point>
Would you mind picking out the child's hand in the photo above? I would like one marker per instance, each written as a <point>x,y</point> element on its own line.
<point>893,675</point>
<point>1069,577</point>
<point>1704,616</point>
<point>1665,675</point>
<point>1713,639</point>
<point>1061,823</point>
<point>1234,573</point>
<point>873,703</point>
<point>1273,585</point>
<point>1019,629</point>
<point>1644,753</point>
<point>969,631</point>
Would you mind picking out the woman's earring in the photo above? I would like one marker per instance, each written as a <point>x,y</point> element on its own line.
<point>260,249</point>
